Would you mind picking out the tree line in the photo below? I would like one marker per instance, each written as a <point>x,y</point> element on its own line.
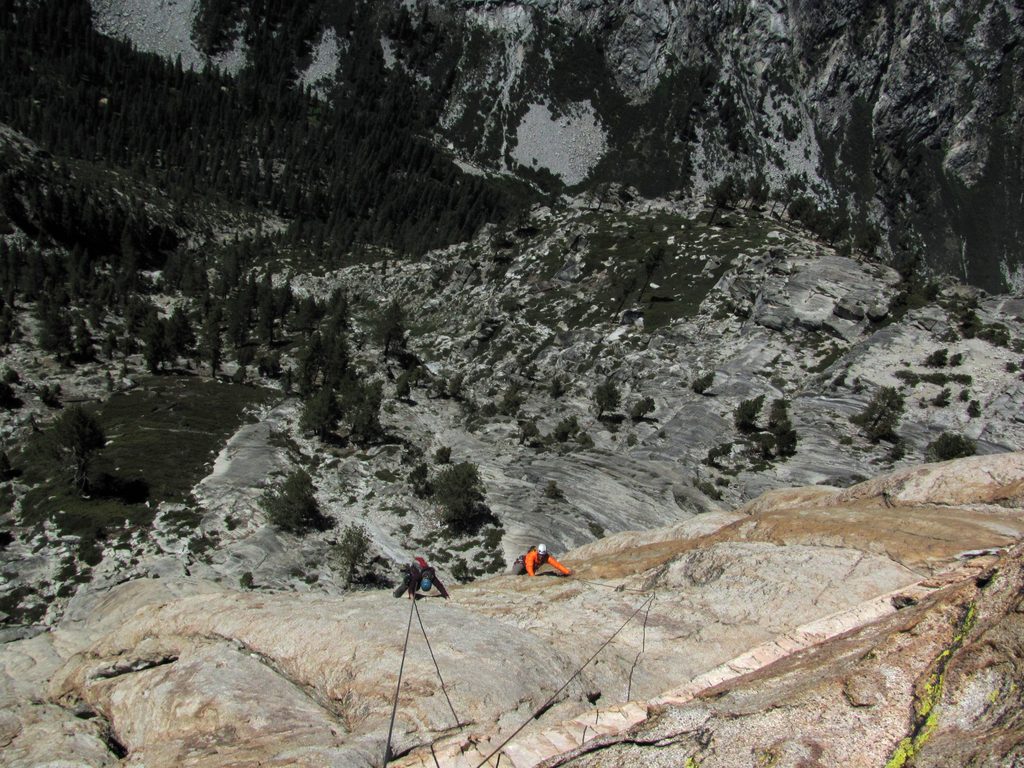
<point>355,168</point>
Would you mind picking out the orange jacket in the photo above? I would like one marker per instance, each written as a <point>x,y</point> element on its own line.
<point>534,561</point>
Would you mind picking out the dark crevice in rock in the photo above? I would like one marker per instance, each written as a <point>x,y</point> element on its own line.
<point>116,747</point>
<point>130,667</point>
<point>336,709</point>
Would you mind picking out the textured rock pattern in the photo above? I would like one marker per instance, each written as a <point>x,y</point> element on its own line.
<point>931,681</point>
<point>183,672</point>
<point>906,113</point>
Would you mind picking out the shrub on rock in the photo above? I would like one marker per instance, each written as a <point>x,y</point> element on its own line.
<point>950,445</point>
<point>459,492</point>
<point>294,508</point>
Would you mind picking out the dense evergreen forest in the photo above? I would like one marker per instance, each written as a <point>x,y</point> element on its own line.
<point>143,169</point>
<point>352,169</point>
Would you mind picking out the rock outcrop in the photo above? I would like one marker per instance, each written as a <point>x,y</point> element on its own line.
<point>162,672</point>
<point>936,682</point>
<point>897,119</point>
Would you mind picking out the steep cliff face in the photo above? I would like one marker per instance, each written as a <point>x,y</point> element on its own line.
<point>847,625</point>
<point>893,123</point>
<point>900,115</point>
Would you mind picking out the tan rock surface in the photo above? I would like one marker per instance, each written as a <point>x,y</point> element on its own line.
<point>937,682</point>
<point>187,673</point>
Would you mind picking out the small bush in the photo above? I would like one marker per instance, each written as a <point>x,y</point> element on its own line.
<point>552,491</point>
<point>8,399</point>
<point>443,455</point>
<point>950,445</point>
<point>529,433</point>
<point>941,400</point>
<point>703,383</point>
<point>512,400</point>
<point>558,387</point>
<point>938,378</point>
<point>745,417</point>
<point>641,408</point>
<point>974,409</point>
<point>716,453</point>
<point>6,470</point>
<point>565,429</point>
<point>937,359</point>
<point>419,479</point>
<point>294,508</point>
<point>708,489</point>
<point>896,451</point>
<point>454,386</point>
<point>882,415</point>
<point>50,395</point>
<point>405,382</point>
<point>996,334</point>
<point>764,443</point>
<point>459,490</point>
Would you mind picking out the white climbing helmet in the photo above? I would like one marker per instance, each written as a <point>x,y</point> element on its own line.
<point>542,549</point>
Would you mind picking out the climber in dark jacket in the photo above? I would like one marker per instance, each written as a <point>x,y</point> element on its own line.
<point>419,576</point>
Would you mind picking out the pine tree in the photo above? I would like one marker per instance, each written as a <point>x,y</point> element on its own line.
<point>459,490</point>
<point>781,429</point>
<point>882,415</point>
<point>311,361</point>
<point>83,341</point>
<point>74,439</point>
<point>211,341</point>
<point>606,397</point>
<point>320,414</point>
<point>181,338</point>
<point>294,507</point>
<point>55,330</point>
<point>746,414</point>
<point>361,408</point>
<point>391,329</point>
<point>154,340</point>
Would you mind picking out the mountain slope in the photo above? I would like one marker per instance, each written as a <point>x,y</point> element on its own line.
<point>882,123</point>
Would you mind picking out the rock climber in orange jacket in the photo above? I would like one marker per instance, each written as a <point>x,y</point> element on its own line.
<point>532,561</point>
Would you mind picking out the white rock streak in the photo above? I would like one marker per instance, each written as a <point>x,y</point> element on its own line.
<point>163,27</point>
<point>321,69</point>
<point>569,145</point>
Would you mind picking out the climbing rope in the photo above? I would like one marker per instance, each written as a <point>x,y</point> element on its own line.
<point>394,707</point>
<point>615,587</point>
<point>643,647</point>
<point>444,690</point>
<point>544,707</point>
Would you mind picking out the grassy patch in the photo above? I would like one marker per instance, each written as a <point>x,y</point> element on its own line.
<point>832,354</point>
<point>161,439</point>
<point>623,255</point>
